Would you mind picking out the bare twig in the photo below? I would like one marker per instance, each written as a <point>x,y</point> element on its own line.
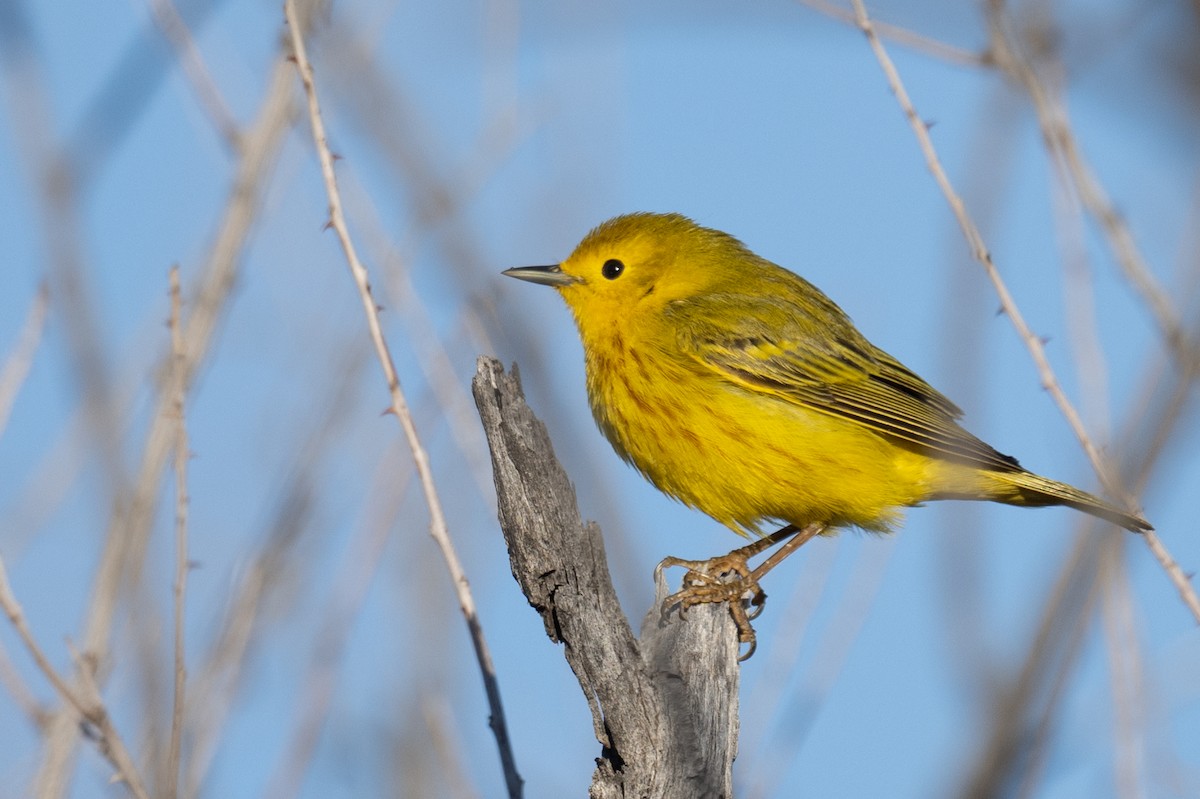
<point>51,478</point>
<point>1032,342</point>
<point>1060,140</point>
<point>266,580</point>
<point>1054,120</point>
<point>399,407</point>
<point>1125,678</point>
<point>355,578</point>
<point>766,696</point>
<point>902,36</point>
<point>90,707</point>
<point>1081,317</point>
<point>128,528</point>
<point>978,249</point>
<point>832,650</point>
<point>1022,703</point>
<point>435,711</point>
<point>16,367</point>
<point>175,29</point>
<point>178,388</point>
<point>1053,676</point>
<point>59,182</point>
<point>16,616</point>
<point>1181,581</point>
<point>1115,609</point>
<point>432,354</point>
<point>20,692</point>
<point>1006,745</point>
<point>386,116</point>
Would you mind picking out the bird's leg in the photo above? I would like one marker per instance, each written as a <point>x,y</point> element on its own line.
<point>704,577</point>
<point>728,578</point>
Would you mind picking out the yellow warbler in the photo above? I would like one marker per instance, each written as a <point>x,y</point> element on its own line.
<point>740,389</point>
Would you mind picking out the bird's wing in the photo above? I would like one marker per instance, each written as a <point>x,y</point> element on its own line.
<point>813,356</point>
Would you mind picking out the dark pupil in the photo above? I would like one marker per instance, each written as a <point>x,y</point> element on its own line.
<point>612,268</point>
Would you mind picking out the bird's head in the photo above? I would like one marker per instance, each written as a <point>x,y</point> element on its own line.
<point>634,264</point>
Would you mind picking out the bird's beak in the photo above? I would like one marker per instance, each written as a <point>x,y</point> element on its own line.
<point>552,275</point>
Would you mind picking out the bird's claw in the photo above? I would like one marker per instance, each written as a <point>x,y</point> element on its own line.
<point>722,579</point>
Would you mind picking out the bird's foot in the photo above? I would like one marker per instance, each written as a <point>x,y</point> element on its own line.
<point>727,579</point>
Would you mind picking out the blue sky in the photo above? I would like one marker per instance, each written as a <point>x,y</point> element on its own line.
<point>475,137</point>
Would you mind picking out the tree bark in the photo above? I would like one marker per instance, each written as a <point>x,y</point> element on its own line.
<point>664,708</point>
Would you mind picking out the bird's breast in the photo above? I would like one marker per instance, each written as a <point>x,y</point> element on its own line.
<point>677,423</point>
<point>738,455</point>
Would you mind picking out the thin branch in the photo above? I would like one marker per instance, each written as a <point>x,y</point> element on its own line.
<point>903,36</point>
<point>129,524</point>
<point>979,250</point>
<point>1122,646</point>
<point>785,739</point>
<point>1053,118</point>
<point>20,692</point>
<point>354,579</point>
<point>16,616</point>
<point>765,699</point>
<point>1126,678</point>
<point>1026,702</point>
<point>432,353</point>
<point>1020,704</point>
<point>176,31</point>
<point>16,367</point>
<point>182,453</point>
<point>1032,342</point>
<point>1081,320</point>
<point>1054,679</point>
<point>1179,578</point>
<point>59,182</point>
<point>89,707</point>
<point>399,407</point>
<point>273,572</point>
<point>435,711</point>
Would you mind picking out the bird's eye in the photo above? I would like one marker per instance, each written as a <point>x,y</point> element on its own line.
<point>612,269</point>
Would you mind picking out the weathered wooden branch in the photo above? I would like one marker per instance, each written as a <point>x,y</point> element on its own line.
<point>664,707</point>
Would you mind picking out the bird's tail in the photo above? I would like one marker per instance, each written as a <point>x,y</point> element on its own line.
<point>1031,490</point>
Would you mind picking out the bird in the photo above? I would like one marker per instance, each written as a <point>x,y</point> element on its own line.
<point>740,389</point>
